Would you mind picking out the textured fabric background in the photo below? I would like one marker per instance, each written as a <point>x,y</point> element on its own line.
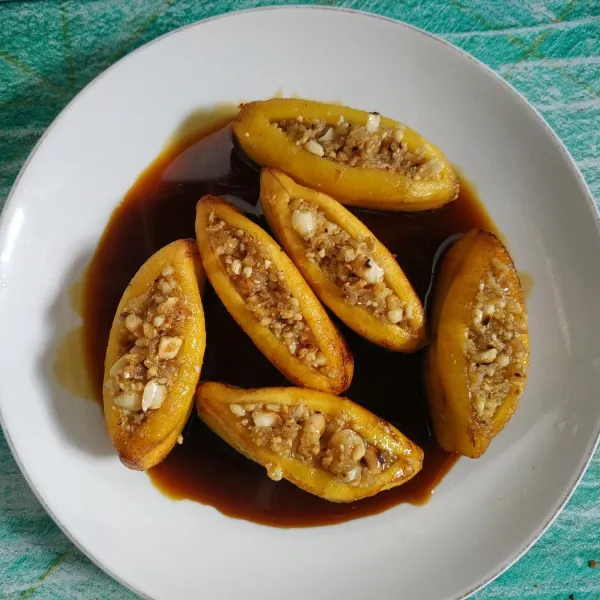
<point>49,49</point>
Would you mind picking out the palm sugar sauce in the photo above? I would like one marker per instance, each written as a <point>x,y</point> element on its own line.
<point>160,208</point>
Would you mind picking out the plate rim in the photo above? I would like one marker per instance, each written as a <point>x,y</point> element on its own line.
<point>9,205</point>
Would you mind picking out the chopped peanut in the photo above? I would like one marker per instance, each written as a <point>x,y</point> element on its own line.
<point>317,439</point>
<point>496,344</point>
<point>265,292</point>
<point>153,324</point>
<point>348,262</point>
<point>371,145</point>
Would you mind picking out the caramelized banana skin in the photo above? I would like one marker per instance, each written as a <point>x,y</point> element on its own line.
<point>376,188</point>
<point>239,286</point>
<point>298,434</point>
<point>141,445</point>
<point>277,193</point>
<point>478,358</point>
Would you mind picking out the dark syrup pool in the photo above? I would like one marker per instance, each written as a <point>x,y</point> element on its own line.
<point>160,208</point>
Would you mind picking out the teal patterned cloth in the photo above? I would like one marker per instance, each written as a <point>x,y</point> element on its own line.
<point>548,49</point>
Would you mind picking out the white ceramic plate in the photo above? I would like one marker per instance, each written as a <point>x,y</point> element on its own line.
<point>486,512</point>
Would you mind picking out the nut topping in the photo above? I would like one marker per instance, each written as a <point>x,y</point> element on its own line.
<point>141,377</point>
<point>317,439</point>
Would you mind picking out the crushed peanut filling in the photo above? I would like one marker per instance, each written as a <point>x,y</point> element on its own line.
<point>369,146</point>
<point>265,291</point>
<point>316,439</point>
<point>348,263</point>
<point>153,327</point>
<point>496,344</point>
